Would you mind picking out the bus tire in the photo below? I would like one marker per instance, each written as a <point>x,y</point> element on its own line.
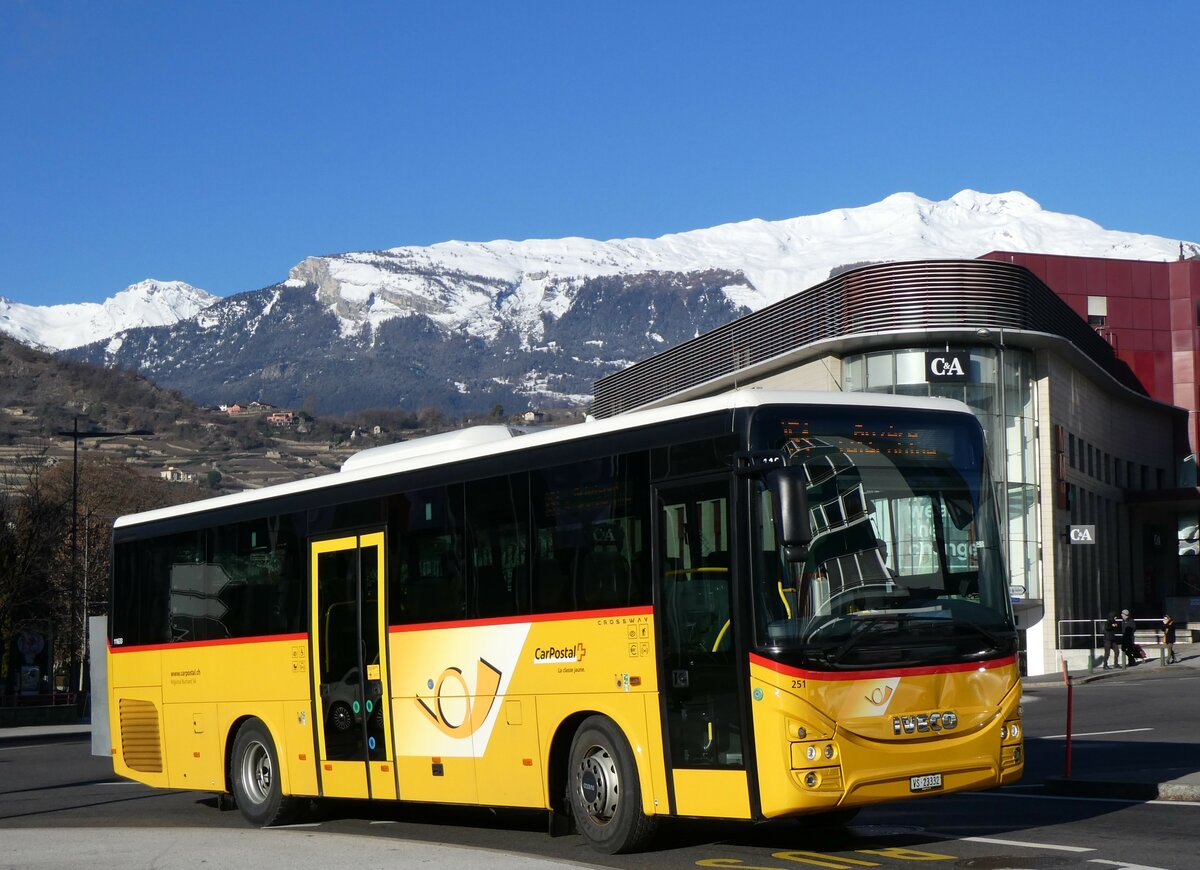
<point>254,775</point>
<point>603,791</point>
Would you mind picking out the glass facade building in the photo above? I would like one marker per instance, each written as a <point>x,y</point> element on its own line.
<point>1001,388</point>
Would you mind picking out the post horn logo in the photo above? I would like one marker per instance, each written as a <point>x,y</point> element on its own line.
<point>880,696</point>
<point>479,704</point>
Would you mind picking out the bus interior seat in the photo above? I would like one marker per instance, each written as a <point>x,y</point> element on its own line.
<point>492,595</point>
<point>605,579</point>
<point>540,588</point>
<point>435,598</point>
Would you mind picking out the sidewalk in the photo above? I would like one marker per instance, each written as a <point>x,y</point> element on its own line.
<point>1159,782</point>
<point>45,733</point>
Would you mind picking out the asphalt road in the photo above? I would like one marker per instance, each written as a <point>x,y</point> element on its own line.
<point>60,807</point>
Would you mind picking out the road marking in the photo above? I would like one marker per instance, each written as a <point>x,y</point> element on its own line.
<point>1093,734</point>
<point>1122,865</point>
<point>996,842</point>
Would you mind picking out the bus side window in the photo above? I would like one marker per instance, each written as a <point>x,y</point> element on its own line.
<point>431,546</point>
<point>606,579</point>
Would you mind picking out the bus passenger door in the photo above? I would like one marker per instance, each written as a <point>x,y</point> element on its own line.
<point>703,719</point>
<point>350,667</point>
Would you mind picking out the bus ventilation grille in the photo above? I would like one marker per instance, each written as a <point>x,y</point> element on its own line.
<point>140,746</point>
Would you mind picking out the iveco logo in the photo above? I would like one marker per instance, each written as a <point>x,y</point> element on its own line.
<point>923,723</point>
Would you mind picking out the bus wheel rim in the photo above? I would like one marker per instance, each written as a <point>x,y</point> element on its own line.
<point>599,785</point>
<point>257,775</point>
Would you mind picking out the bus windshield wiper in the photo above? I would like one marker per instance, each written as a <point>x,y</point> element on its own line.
<point>997,641</point>
<point>896,623</point>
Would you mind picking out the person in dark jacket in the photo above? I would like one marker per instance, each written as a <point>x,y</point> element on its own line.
<point>1127,645</point>
<point>1112,627</point>
<point>1169,638</point>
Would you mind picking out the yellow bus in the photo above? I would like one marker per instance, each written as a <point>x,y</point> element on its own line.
<point>754,606</point>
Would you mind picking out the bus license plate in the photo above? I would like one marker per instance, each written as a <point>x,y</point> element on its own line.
<point>928,782</point>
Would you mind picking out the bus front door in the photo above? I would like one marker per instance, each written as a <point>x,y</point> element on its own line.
<point>705,743</point>
<point>350,667</point>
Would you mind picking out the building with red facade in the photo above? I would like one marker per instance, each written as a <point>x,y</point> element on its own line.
<point>1148,312</point>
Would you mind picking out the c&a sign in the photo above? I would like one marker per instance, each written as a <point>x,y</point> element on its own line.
<point>947,366</point>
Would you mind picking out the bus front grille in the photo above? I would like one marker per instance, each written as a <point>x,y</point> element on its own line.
<point>141,748</point>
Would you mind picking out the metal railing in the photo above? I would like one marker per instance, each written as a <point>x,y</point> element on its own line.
<point>1089,633</point>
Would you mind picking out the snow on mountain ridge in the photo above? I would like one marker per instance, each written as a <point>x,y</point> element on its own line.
<point>147,303</point>
<point>503,279</point>
<point>484,288</point>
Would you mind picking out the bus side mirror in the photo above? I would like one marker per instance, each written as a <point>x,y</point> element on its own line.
<point>788,485</point>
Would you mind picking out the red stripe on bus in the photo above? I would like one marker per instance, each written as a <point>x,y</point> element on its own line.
<point>194,644</point>
<point>561,616</point>
<point>831,676</point>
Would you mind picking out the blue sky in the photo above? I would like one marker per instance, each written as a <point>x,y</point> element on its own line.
<point>221,143</point>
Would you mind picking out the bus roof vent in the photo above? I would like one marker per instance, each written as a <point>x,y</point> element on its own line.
<point>472,437</point>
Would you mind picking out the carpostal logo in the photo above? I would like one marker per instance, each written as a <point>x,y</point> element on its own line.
<point>558,655</point>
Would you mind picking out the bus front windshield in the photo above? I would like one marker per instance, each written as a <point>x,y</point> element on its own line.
<point>904,566</point>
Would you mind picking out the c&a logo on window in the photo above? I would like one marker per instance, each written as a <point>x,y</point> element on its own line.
<point>453,708</point>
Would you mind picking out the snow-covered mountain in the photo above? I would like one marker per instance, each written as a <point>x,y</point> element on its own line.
<point>467,325</point>
<point>479,287</point>
<point>58,327</point>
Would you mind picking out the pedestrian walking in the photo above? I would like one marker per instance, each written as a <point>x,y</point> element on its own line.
<point>1112,628</point>
<point>1127,645</point>
<point>1169,638</point>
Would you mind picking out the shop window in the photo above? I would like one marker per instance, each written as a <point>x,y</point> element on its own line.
<point>879,370</point>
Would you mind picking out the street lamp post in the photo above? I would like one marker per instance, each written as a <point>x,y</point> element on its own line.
<point>76,672</point>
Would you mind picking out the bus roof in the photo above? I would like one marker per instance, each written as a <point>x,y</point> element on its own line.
<point>479,441</point>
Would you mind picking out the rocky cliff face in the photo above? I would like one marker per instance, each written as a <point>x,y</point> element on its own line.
<point>308,343</point>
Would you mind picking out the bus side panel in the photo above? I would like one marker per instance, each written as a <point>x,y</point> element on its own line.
<point>718,794</point>
<point>132,668</point>
<point>206,690</point>
<point>135,716</point>
<point>193,726</point>
<point>476,707</point>
<point>822,743</point>
<point>509,770</point>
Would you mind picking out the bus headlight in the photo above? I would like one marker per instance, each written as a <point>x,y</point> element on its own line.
<point>806,755</point>
<point>1010,732</point>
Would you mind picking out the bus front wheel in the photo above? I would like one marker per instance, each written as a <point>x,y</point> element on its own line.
<point>603,790</point>
<point>254,771</point>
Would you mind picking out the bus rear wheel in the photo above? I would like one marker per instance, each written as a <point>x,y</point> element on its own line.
<point>603,790</point>
<point>254,775</point>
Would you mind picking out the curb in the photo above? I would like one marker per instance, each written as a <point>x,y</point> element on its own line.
<point>1172,790</point>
